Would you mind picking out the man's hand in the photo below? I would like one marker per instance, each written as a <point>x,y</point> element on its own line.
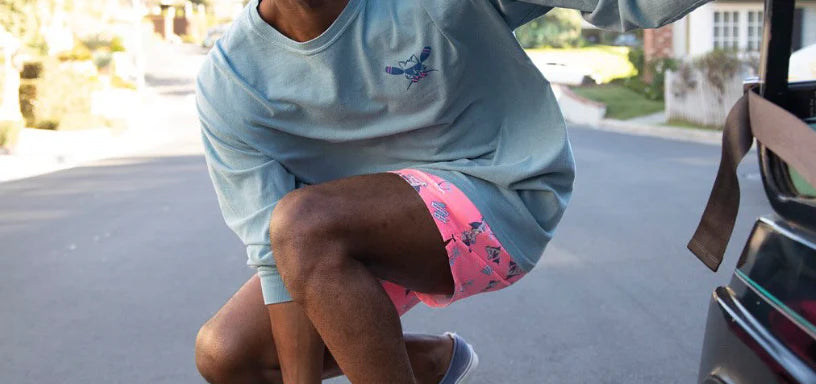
<point>300,348</point>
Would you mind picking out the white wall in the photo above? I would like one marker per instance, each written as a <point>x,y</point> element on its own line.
<point>809,25</point>
<point>697,29</point>
<point>680,37</point>
<point>704,104</point>
<point>700,30</point>
<point>227,8</point>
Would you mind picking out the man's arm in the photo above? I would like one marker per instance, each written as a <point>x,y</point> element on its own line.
<point>625,15</point>
<point>248,185</point>
<point>300,348</point>
<point>620,15</point>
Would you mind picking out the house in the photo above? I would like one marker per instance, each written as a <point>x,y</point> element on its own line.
<point>226,9</point>
<point>174,18</point>
<point>725,24</point>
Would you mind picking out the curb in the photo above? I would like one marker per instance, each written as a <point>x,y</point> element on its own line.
<point>659,131</point>
<point>56,151</point>
<point>577,109</point>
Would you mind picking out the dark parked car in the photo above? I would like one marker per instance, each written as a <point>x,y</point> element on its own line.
<point>761,327</point>
<point>626,40</point>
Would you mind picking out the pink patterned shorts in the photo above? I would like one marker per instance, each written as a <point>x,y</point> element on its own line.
<point>478,262</point>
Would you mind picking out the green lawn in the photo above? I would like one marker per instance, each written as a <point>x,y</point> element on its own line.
<point>687,124</point>
<point>621,103</point>
<point>605,62</point>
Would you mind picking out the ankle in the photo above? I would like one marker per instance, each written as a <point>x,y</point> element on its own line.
<point>430,357</point>
<point>442,355</point>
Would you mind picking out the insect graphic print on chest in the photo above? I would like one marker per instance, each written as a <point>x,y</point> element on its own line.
<point>414,68</point>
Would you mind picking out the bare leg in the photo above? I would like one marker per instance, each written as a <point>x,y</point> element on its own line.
<point>300,349</point>
<point>236,345</point>
<point>332,241</point>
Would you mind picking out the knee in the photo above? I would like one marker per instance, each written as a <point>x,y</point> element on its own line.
<point>294,218</point>
<point>218,357</point>
<point>307,237</point>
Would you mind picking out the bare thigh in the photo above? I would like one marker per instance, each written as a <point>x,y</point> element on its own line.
<point>379,219</point>
<point>385,225</point>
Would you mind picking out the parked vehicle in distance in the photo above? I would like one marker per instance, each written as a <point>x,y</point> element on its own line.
<point>761,327</point>
<point>803,64</point>
<point>558,73</point>
<point>626,40</point>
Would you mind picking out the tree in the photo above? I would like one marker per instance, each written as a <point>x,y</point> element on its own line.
<point>14,16</point>
<point>20,17</point>
<point>559,28</point>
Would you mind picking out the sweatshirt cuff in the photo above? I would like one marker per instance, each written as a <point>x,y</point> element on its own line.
<point>272,286</point>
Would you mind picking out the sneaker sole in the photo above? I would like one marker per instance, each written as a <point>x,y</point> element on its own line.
<point>471,367</point>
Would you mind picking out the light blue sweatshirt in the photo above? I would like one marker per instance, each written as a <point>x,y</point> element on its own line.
<point>437,85</point>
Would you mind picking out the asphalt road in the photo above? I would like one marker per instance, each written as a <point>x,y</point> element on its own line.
<point>108,270</point>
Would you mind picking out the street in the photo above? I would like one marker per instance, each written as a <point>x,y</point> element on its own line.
<point>109,269</point>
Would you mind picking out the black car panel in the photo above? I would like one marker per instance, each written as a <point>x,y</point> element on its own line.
<point>738,350</point>
<point>761,327</point>
<point>779,261</point>
<point>798,98</point>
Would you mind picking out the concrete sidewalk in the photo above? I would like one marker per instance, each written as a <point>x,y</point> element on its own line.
<point>41,151</point>
<point>56,151</point>
<point>162,121</point>
<point>590,114</point>
<point>639,128</point>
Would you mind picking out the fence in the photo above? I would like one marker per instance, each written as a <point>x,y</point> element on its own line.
<point>691,97</point>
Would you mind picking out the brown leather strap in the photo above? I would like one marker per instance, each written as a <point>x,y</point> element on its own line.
<point>783,133</point>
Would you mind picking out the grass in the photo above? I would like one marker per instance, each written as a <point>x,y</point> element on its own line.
<point>606,63</point>
<point>621,103</point>
<point>687,124</point>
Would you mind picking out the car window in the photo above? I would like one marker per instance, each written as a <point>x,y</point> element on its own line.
<point>803,69</point>
<point>801,186</point>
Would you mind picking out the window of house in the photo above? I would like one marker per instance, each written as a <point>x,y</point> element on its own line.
<point>726,30</point>
<point>754,30</point>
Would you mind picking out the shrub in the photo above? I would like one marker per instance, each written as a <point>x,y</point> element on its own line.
<point>8,133</point>
<point>104,42</point>
<point>50,125</point>
<point>658,69</point>
<point>189,39</point>
<point>118,82</point>
<point>559,28</point>
<point>96,42</point>
<point>63,91</point>
<point>22,19</point>
<point>116,44</point>
<point>59,94</point>
<point>654,88</point>
<point>2,78</point>
<point>718,67</point>
<point>28,98</point>
<point>80,52</point>
<point>102,59</point>
<point>638,59</point>
<point>31,70</point>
